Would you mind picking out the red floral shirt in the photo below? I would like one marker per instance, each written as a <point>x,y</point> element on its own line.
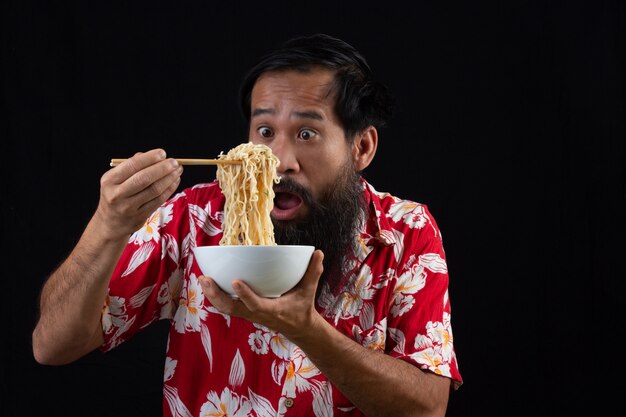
<point>395,300</point>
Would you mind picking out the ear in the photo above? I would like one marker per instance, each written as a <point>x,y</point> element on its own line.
<point>364,148</point>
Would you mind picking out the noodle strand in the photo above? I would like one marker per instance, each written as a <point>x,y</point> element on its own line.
<point>248,189</point>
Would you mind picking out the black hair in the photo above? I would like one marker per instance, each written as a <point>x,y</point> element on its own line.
<point>360,101</point>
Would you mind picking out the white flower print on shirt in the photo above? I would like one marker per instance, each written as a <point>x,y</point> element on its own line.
<point>146,238</point>
<point>115,319</point>
<point>372,338</point>
<point>113,313</point>
<point>150,229</point>
<point>140,255</point>
<point>299,370</point>
<point>237,371</point>
<point>432,358</point>
<point>169,247</point>
<point>350,301</point>
<point>170,367</point>
<point>177,407</point>
<point>412,214</point>
<point>259,342</point>
<point>292,368</point>
<point>359,290</point>
<point>281,347</point>
<point>228,404</point>
<point>434,349</point>
<point>191,310</point>
<point>204,219</point>
<point>411,281</point>
<point>414,279</point>
<point>433,262</point>
<point>261,405</point>
<point>169,294</point>
<point>441,334</point>
<point>299,377</point>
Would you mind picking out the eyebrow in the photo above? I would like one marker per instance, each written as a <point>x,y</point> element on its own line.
<point>300,114</point>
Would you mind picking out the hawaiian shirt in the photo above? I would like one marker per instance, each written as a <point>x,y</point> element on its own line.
<point>394,299</point>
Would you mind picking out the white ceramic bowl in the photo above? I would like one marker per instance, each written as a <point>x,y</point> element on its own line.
<point>269,270</point>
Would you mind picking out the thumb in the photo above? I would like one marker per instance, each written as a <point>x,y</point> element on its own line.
<point>314,271</point>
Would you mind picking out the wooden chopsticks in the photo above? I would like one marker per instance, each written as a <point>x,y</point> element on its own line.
<point>187,161</point>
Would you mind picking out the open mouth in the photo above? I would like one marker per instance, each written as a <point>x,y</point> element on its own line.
<point>286,205</point>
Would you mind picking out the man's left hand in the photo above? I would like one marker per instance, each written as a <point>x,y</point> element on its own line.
<point>291,314</point>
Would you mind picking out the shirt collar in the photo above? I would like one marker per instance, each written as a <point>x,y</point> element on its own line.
<point>376,229</point>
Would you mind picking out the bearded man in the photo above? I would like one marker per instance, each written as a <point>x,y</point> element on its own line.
<point>367,331</point>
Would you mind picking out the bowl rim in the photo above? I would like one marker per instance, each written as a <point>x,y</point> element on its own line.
<point>254,246</point>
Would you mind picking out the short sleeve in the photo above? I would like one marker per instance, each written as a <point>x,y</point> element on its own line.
<point>147,280</point>
<point>419,319</point>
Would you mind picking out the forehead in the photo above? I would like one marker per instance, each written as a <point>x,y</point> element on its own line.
<point>280,90</point>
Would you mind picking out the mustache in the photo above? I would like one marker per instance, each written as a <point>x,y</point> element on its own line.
<point>288,185</point>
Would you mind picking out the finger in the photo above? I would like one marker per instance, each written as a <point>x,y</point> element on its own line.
<point>137,173</point>
<point>248,297</point>
<point>220,300</point>
<point>313,272</point>
<point>150,199</point>
<point>136,163</point>
<point>146,181</point>
<point>144,202</point>
<point>146,209</point>
<point>156,182</point>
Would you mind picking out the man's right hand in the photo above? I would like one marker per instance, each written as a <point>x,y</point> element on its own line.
<point>133,190</point>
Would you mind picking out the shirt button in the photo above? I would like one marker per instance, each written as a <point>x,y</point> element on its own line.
<point>289,402</point>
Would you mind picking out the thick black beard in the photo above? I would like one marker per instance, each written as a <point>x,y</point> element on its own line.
<point>332,224</point>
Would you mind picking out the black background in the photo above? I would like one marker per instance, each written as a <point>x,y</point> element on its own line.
<point>510,126</point>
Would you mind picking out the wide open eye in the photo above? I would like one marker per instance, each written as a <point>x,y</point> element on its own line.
<point>265,132</point>
<point>306,134</point>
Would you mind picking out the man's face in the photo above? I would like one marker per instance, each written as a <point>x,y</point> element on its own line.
<point>319,198</point>
<point>292,113</point>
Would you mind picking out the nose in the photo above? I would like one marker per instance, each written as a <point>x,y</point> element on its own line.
<point>285,151</point>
